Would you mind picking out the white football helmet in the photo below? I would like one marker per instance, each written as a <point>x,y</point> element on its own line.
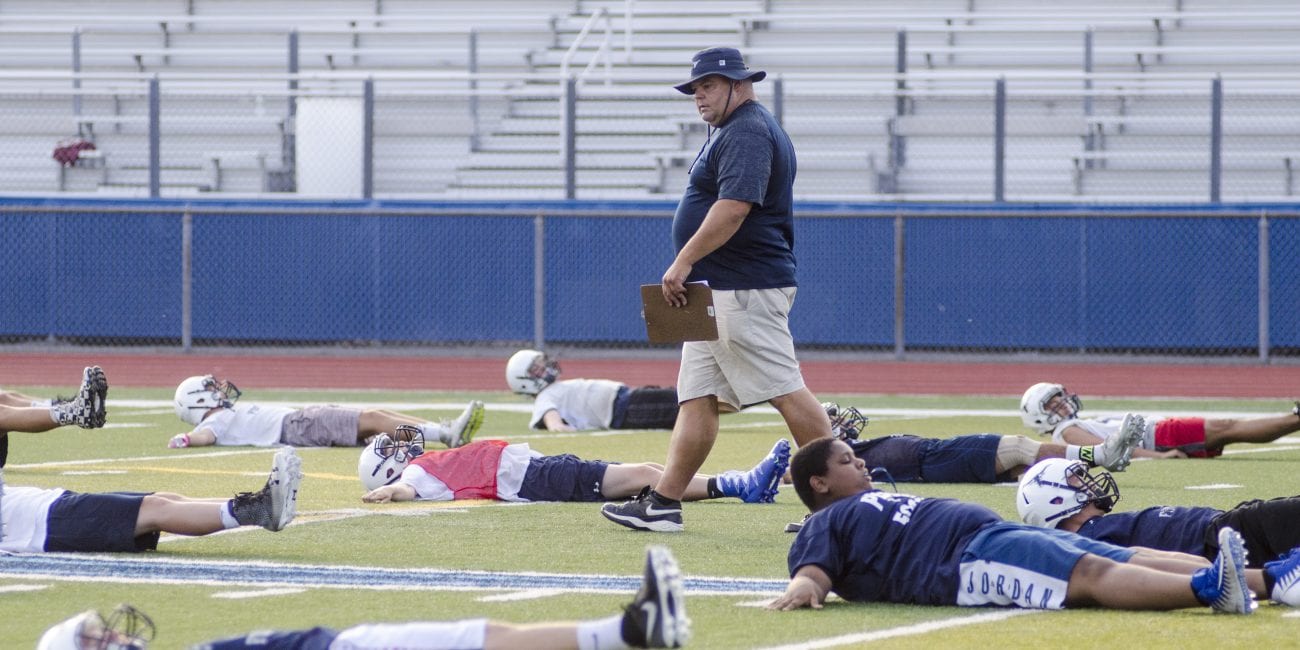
<point>1033,406</point>
<point>383,460</point>
<point>197,395</point>
<point>529,371</point>
<point>1056,488</point>
<point>126,628</point>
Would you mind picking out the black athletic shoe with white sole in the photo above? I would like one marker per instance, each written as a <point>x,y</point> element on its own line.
<point>648,511</point>
<point>656,617</point>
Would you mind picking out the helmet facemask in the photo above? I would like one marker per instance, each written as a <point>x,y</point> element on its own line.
<point>847,423</point>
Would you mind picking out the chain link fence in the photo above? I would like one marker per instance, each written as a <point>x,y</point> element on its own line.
<point>1077,280</point>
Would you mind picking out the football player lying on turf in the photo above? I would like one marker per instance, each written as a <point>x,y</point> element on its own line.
<point>656,618</point>
<point>586,404</point>
<point>211,407</point>
<point>38,520</point>
<point>1050,408</point>
<point>398,469</point>
<point>27,414</point>
<point>872,546</point>
<point>1063,494</point>
<point>978,458</point>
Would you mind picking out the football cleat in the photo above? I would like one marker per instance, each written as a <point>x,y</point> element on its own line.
<point>461,430</point>
<point>1223,586</point>
<point>760,484</point>
<point>1117,450</point>
<point>656,617</point>
<point>1285,572</point>
<point>274,506</point>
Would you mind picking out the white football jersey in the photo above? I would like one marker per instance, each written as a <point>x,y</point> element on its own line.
<point>247,424</point>
<point>24,512</point>
<point>584,403</point>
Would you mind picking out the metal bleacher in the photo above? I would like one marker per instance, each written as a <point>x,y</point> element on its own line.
<point>1108,100</point>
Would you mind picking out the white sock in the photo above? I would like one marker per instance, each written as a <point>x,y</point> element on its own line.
<point>54,415</point>
<point>42,402</point>
<point>1072,452</point>
<point>437,432</point>
<point>227,519</point>
<point>602,634</point>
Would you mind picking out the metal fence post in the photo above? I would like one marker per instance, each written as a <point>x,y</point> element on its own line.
<point>368,139</point>
<point>1265,302</point>
<point>539,281</point>
<point>1216,138</point>
<point>187,281</point>
<point>155,139</point>
<point>1000,140</point>
<point>568,136</point>
<point>900,291</point>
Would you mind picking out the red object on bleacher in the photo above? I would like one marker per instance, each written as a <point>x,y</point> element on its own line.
<point>67,152</point>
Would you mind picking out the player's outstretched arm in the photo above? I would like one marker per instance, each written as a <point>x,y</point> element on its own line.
<point>808,588</point>
<point>196,438</point>
<point>390,493</point>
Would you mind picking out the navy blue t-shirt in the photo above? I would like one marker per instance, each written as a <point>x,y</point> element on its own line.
<point>748,159</point>
<point>1165,528</point>
<point>886,547</point>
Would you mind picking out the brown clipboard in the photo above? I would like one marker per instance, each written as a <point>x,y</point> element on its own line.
<point>665,323</point>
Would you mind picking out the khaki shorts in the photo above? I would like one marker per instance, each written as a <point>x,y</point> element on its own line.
<point>321,426</point>
<point>753,359</point>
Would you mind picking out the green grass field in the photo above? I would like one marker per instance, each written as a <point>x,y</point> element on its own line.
<point>724,539</point>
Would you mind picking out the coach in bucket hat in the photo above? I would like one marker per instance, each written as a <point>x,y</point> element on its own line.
<point>725,61</point>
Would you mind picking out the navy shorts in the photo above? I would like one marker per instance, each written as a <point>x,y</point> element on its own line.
<point>317,638</point>
<point>964,459</point>
<point>563,478</point>
<point>97,523</point>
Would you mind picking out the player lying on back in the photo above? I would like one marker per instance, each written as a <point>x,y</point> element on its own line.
<point>656,618</point>
<point>36,520</point>
<point>398,468</point>
<point>586,404</point>
<point>978,458</point>
<point>1050,408</point>
<point>1063,495</point>
<point>211,407</point>
<point>871,546</point>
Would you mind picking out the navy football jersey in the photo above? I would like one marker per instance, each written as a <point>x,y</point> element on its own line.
<point>899,454</point>
<point>1165,528</point>
<point>898,548</point>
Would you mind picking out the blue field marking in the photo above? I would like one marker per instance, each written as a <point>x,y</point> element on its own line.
<point>103,568</point>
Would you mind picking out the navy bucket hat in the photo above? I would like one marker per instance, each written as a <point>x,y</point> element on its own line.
<point>725,61</point>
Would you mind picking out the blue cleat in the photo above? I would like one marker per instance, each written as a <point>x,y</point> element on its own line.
<point>760,484</point>
<point>1223,586</point>
<point>1285,572</point>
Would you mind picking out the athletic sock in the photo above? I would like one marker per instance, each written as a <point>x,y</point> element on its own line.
<point>437,432</point>
<point>1093,455</point>
<point>38,403</point>
<point>1072,452</point>
<point>714,491</point>
<point>602,634</point>
<point>228,520</point>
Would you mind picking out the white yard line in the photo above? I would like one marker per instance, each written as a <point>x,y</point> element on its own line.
<point>906,630</point>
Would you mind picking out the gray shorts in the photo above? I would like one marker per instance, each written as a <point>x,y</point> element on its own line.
<point>753,359</point>
<point>321,426</point>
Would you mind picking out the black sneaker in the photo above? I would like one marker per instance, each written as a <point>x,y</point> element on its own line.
<point>648,511</point>
<point>656,617</point>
